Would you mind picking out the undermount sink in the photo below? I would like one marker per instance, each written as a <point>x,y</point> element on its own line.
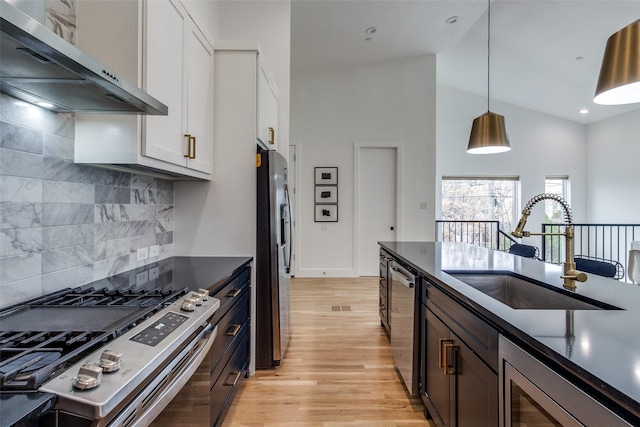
<point>520,293</point>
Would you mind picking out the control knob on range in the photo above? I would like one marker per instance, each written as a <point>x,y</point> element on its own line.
<point>89,376</point>
<point>110,360</point>
<point>197,297</point>
<point>203,293</point>
<point>188,304</point>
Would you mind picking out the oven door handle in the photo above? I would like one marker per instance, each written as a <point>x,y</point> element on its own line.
<point>166,395</point>
<point>402,276</point>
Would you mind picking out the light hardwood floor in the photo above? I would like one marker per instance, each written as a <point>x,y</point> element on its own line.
<point>338,369</point>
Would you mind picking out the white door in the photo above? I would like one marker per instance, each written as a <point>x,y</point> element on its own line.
<point>377,205</point>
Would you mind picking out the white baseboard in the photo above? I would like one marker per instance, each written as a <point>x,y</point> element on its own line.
<point>315,272</point>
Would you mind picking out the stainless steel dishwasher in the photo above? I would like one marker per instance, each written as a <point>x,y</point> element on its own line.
<point>405,326</point>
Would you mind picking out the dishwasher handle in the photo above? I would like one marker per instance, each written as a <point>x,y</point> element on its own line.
<point>403,276</point>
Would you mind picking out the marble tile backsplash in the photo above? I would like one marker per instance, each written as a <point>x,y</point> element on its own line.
<point>63,224</point>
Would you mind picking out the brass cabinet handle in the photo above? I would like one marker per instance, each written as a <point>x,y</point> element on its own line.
<point>441,362</point>
<point>235,380</point>
<point>233,293</point>
<point>448,368</point>
<point>191,142</point>
<point>272,135</point>
<point>188,155</point>
<point>232,331</point>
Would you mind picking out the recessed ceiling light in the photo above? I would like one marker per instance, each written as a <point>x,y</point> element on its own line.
<point>45,104</point>
<point>370,30</point>
<point>368,39</point>
<point>452,20</point>
<point>579,58</point>
<point>584,111</point>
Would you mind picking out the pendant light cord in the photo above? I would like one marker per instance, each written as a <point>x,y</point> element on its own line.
<point>488,52</point>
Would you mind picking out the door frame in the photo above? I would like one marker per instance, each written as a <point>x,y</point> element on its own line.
<point>358,146</point>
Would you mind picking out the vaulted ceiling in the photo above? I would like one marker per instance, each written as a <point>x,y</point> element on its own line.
<point>545,54</point>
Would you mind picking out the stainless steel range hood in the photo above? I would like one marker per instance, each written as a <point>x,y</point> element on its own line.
<point>37,65</point>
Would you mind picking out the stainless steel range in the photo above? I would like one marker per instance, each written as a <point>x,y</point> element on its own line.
<point>112,357</point>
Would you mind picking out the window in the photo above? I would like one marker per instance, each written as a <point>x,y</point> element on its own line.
<point>554,214</point>
<point>480,199</point>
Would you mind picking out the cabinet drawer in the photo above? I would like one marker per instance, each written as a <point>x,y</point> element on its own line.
<point>478,335</point>
<point>231,293</point>
<point>230,328</point>
<point>227,383</point>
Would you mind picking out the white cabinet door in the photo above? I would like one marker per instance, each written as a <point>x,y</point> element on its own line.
<point>273,115</point>
<point>267,108</point>
<point>165,25</point>
<point>263,105</point>
<point>199,72</point>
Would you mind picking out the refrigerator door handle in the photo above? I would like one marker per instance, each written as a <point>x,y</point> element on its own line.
<point>283,236</point>
<point>287,260</point>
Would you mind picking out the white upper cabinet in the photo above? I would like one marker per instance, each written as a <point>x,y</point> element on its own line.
<point>267,123</point>
<point>179,70</point>
<point>161,48</point>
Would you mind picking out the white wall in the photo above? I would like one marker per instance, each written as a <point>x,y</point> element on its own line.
<point>614,170</point>
<point>541,145</point>
<point>206,14</point>
<point>391,101</point>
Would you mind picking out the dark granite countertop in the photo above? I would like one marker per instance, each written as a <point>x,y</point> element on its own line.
<point>176,273</point>
<point>601,348</point>
<point>24,409</point>
<point>210,273</point>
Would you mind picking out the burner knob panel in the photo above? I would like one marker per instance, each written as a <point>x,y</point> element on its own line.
<point>188,304</point>
<point>110,360</point>
<point>89,376</point>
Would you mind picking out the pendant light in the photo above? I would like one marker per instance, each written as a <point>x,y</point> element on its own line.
<point>488,134</point>
<point>619,81</point>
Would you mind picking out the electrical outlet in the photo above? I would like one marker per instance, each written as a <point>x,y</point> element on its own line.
<point>142,278</point>
<point>142,254</point>
<point>154,251</point>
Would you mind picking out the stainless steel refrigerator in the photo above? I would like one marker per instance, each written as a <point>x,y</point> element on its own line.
<point>273,260</point>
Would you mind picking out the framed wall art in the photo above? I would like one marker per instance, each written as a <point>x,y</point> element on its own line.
<point>326,213</point>
<point>326,176</point>
<point>326,194</point>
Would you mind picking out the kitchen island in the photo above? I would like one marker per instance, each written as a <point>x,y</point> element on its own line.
<point>595,349</point>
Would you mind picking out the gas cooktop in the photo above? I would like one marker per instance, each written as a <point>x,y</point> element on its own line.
<point>47,335</point>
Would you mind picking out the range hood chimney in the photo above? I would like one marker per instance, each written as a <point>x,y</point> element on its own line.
<point>36,66</point>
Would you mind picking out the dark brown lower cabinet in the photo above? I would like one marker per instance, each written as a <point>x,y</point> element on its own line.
<point>385,292</point>
<point>205,400</point>
<point>459,387</point>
